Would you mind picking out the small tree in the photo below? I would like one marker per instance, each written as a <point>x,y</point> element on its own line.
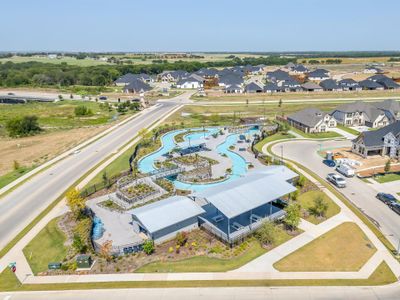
<point>23,126</point>
<point>148,247</point>
<point>294,195</point>
<point>292,218</point>
<point>301,181</point>
<point>280,103</point>
<point>143,133</point>
<point>267,233</point>
<point>320,207</point>
<point>75,201</point>
<point>388,166</point>
<point>82,110</point>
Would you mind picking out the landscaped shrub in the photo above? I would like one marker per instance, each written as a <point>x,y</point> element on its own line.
<point>292,219</point>
<point>320,207</point>
<point>23,126</point>
<point>148,247</point>
<point>181,238</point>
<point>82,110</point>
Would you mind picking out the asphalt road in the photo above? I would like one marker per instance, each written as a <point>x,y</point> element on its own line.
<point>23,204</point>
<point>246,293</point>
<point>360,193</point>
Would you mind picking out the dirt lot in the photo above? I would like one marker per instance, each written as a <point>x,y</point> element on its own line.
<point>38,149</point>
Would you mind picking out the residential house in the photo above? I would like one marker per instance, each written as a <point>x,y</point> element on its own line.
<point>136,86</point>
<point>373,70</point>
<point>290,85</point>
<point>233,88</point>
<point>230,79</point>
<point>271,87</point>
<point>253,87</point>
<point>330,85</point>
<point>311,87</point>
<point>193,81</point>
<point>384,141</point>
<point>370,85</point>
<point>278,76</point>
<point>360,114</point>
<point>349,85</point>
<point>318,75</point>
<point>311,120</point>
<point>386,82</point>
<point>391,108</point>
<point>298,69</point>
<point>172,76</point>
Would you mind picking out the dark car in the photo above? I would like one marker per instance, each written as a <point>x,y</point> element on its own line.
<point>329,162</point>
<point>395,207</point>
<point>386,198</point>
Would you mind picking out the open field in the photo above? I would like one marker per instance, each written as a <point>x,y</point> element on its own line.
<point>306,201</point>
<point>52,239</point>
<point>69,60</point>
<point>343,249</point>
<point>62,131</point>
<point>221,96</point>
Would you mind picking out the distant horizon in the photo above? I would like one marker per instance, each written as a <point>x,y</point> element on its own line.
<point>209,26</point>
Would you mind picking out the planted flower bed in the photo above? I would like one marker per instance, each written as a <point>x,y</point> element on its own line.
<point>138,190</point>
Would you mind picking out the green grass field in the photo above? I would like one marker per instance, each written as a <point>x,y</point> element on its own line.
<point>383,275</point>
<point>69,60</point>
<point>318,135</point>
<point>272,138</point>
<point>47,246</point>
<point>343,249</point>
<point>306,201</point>
<point>13,175</point>
<point>387,177</point>
<point>349,130</point>
<point>57,115</point>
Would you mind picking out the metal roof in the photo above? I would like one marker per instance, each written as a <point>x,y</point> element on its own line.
<point>251,191</point>
<point>167,212</point>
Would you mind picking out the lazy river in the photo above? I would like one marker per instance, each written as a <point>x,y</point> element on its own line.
<point>239,164</point>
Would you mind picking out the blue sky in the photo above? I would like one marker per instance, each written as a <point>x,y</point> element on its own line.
<point>206,25</point>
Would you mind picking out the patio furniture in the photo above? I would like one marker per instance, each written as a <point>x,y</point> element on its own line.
<point>236,226</point>
<point>218,218</point>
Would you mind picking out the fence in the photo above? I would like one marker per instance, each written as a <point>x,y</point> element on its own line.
<point>105,183</point>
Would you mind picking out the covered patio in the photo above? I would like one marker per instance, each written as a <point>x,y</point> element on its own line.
<point>235,209</point>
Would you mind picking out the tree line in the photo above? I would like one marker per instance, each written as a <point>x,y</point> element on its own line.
<point>47,74</point>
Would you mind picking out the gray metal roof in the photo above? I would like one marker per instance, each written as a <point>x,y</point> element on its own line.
<point>330,84</point>
<point>167,212</point>
<point>309,85</point>
<point>137,85</point>
<point>249,192</point>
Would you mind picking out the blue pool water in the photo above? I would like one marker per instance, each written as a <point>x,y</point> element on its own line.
<point>146,164</point>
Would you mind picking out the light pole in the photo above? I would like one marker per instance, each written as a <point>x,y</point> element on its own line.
<point>282,154</point>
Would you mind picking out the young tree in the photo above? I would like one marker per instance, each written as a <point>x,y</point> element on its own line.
<point>388,166</point>
<point>267,233</point>
<point>16,165</point>
<point>301,181</point>
<point>142,133</point>
<point>320,207</point>
<point>75,201</point>
<point>292,218</point>
<point>280,103</point>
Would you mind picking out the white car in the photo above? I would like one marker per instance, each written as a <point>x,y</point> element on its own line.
<point>336,180</point>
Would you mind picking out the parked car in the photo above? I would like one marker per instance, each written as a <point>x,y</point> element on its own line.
<point>336,180</point>
<point>103,98</point>
<point>386,198</point>
<point>10,94</point>
<point>396,207</point>
<point>345,170</point>
<point>329,162</point>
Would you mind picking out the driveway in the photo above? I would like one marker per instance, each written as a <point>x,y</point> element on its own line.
<point>344,133</point>
<point>360,193</point>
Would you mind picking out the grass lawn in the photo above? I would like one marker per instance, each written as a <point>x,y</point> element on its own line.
<point>208,264</point>
<point>13,175</point>
<point>272,138</point>
<point>306,201</point>
<point>349,130</point>
<point>343,249</point>
<point>47,246</point>
<point>319,135</point>
<point>381,276</point>
<point>387,177</point>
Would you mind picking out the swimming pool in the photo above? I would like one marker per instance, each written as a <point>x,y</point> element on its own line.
<point>239,165</point>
